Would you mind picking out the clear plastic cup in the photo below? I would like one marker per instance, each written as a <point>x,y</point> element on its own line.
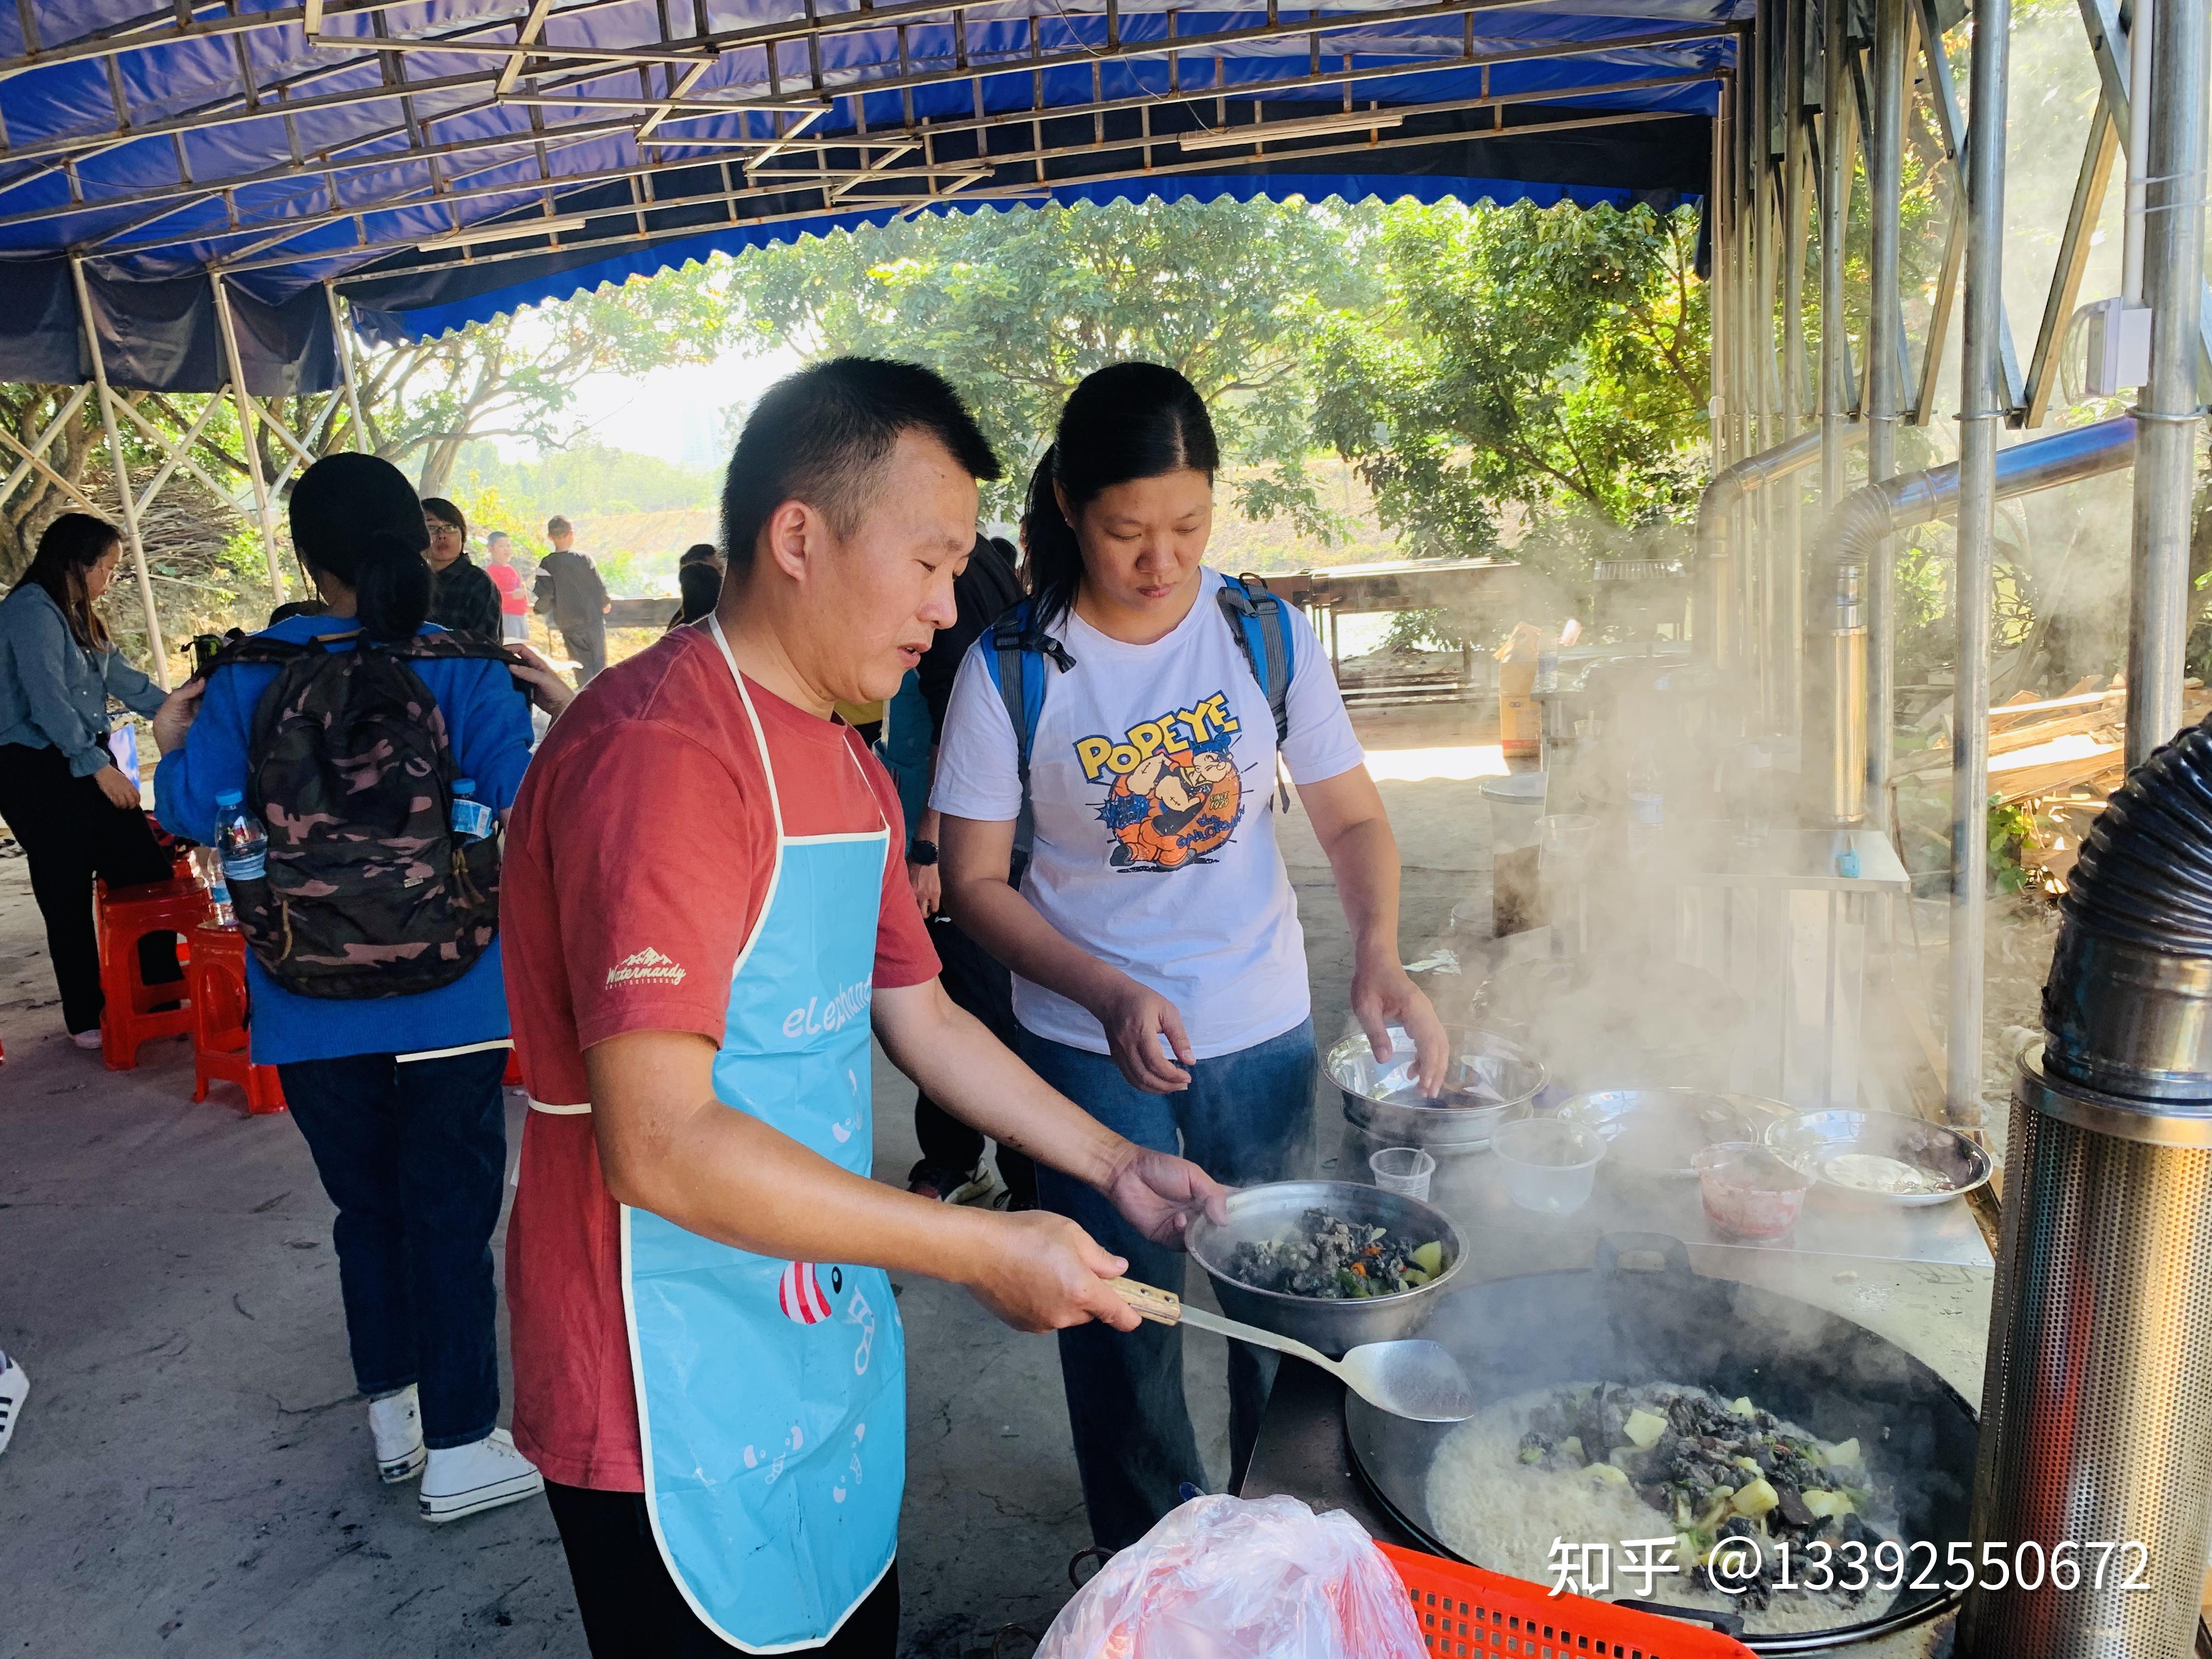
<point>1750,1193</point>
<point>1549,1166</point>
<point>1403,1170</point>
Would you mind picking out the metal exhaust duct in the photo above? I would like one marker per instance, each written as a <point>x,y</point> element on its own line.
<point>1836,727</point>
<point>1713,621</point>
<point>2097,1402</point>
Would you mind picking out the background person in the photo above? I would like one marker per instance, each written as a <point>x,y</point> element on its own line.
<point>695,1241</point>
<point>464,598</point>
<point>1159,971</point>
<point>569,592</point>
<point>699,580</point>
<point>952,1164</point>
<point>70,807</point>
<point>410,1144</point>
<point>506,576</point>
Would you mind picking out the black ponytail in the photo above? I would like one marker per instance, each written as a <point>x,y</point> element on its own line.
<point>391,587</point>
<point>356,518</point>
<point>1127,421</point>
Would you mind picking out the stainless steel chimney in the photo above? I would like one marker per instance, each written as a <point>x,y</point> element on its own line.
<point>2097,1401</point>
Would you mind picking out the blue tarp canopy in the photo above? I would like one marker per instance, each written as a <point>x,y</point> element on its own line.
<point>442,161</point>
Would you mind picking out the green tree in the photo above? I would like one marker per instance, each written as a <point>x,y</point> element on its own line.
<point>1016,307</point>
<point>1546,361</point>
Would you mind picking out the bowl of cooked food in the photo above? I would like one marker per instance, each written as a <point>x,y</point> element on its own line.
<point>1490,1077</point>
<point>1332,1263</point>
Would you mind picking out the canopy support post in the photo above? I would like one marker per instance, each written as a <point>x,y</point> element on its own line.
<point>1835,215</point>
<point>2167,413</point>
<point>341,334</point>
<point>1885,380</point>
<point>125,491</point>
<point>248,440</point>
<point>1984,404</point>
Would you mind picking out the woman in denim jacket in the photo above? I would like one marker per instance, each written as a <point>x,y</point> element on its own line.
<point>73,810</point>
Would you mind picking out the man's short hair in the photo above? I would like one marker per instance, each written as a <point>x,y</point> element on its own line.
<point>557,525</point>
<point>496,536</point>
<point>819,436</point>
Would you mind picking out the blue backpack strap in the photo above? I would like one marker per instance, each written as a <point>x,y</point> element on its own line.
<point>1016,660</point>
<point>1259,620</point>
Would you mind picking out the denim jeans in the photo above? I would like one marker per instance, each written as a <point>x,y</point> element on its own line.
<point>1247,1117</point>
<point>413,1155</point>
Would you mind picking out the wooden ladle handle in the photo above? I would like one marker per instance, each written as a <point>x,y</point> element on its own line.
<point>1154,1303</point>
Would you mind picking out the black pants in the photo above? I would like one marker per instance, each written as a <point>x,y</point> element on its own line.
<point>975,980</point>
<point>588,645</point>
<point>631,1606</point>
<point>413,1155</point>
<point>70,833</point>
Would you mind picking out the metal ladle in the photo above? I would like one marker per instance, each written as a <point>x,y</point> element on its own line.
<point>1411,1378</point>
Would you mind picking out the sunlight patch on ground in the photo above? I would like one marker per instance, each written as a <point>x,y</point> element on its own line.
<point>1463,763</point>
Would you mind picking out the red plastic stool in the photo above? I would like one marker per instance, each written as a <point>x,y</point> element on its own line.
<point>512,1079</point>
<point>123,916</point>
<point>217,978</point>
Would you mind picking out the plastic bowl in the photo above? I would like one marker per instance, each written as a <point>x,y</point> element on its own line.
<point>1751,1192</point>
<point>1548,1166</point>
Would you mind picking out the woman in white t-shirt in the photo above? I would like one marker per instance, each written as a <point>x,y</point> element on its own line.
<point>1159,971</point>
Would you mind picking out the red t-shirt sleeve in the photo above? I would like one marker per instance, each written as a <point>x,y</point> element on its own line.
<point>905,955</point>
<point>656,832</point>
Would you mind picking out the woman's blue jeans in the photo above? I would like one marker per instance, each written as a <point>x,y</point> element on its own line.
<point>1246,1117</point>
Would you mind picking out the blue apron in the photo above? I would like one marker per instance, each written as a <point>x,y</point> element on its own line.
<point>771,1395</point>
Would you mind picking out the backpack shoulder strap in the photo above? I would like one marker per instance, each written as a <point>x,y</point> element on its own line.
<point>1016,664</point>
<point>1259,621</point>
<point>445,646</point>
<point>255,650</point>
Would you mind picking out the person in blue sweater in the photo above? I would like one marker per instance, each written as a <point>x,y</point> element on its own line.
<point>399,1097</point>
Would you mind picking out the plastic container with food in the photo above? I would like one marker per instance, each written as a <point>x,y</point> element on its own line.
<point>1751,1192</point>
<point>1547,1165</point>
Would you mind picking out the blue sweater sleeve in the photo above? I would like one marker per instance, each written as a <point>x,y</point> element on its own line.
<point>491,728</point>
<point>134,691</point>
<point>44,662</point>
<point>213,757</point>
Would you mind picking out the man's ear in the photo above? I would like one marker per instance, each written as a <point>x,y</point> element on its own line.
<point>791,536</point>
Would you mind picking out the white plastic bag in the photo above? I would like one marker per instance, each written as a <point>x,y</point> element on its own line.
<point>1225,1579</point>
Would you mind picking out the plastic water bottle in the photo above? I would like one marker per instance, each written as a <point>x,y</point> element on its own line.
<point>210,866</point>
<point>241,841</point>
<point>472,819</point>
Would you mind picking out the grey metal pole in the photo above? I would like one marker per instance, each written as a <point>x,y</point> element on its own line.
<point>243,402</point>
<point>1716,385</point>
<point>1884,385</point>
<point>1789,540</point>
<point>1835,215</point>
<point>124,491</point>
<point>2167,412</point>
<point>343,335</point>
<point>1762,622</point>
<point>1982,409</point>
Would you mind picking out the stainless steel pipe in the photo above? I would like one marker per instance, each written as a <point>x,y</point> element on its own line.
<point>1854,540</point>
<point>1885,372</point>
<point>2173,277</point>
<point>1714,632</point>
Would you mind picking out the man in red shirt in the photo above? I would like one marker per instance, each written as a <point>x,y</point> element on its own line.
<point>513,604</point>
<point>705,913</point>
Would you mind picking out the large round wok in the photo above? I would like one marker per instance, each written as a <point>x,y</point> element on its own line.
<point>1669,1324</point>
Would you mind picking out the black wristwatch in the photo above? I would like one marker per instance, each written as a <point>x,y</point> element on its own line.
<point>921,851</point>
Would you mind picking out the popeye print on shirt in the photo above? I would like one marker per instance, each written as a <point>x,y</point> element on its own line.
<point>1174,794</point>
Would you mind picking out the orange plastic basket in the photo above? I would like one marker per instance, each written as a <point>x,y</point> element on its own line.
<point>1465,1612</point>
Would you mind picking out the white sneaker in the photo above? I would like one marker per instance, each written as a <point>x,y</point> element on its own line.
<point>396,1424</point>
<point>481,1475</point>
<point>15,1389</point>
<point>86,1039</point>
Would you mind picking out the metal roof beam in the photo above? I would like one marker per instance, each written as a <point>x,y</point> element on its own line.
<point>1016,192</point>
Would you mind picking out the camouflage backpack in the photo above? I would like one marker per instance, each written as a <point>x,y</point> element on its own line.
<point>369,893</point>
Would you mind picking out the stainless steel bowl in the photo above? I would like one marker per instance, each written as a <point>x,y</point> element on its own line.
<point>1654,1132</point>
<point>1259,1214</point>
<point>1815,1141</point>
<point>1499,1077</point>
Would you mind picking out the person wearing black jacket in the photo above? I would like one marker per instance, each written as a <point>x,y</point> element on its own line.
<point>462,598</point>
<point>951,1165</point>
<point>569,591</point>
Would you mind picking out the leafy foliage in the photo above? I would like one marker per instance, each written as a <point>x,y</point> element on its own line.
<point>1015,307</point>
<point>1548,359</point>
